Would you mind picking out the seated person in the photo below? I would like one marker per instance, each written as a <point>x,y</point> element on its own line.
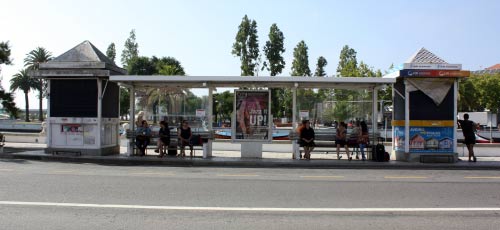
<point>164,138</point>
<point>307,138</point>
<point>142,135</point>
<point>184,134</point>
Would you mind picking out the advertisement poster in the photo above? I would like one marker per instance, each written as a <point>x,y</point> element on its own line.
<point>425,139</point>
<point>252,118</point>
<point>72,128</point>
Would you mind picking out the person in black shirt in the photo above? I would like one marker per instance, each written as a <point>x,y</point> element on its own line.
<point>164,138</point>
<point>184,133</point>
<point>469,131</point>
<point>307,138</point>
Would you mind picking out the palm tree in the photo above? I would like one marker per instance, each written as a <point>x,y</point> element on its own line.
<point>22,81</point>
<point>32,62</point>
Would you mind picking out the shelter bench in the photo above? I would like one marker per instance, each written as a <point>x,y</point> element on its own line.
<point>199,137</point>
<point>325,143</point>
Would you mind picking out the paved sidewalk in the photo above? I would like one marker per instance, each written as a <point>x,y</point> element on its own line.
<point>231,158</point>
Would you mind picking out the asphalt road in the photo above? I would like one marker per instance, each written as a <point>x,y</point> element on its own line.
<point>52,195</point>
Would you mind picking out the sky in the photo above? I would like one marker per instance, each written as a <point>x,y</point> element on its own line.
<point>200,33</point>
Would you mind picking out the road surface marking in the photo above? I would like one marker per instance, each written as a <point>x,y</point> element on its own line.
<point>6,170</point>
<point>405,177</point>
<point>151,174</point>
<point>62,171</point>
<point>320,177</point>
<point>482,177</point>
<point>252,209</point>
<point>238,175</point>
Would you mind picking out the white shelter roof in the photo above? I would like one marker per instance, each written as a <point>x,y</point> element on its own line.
<point>158,81</point>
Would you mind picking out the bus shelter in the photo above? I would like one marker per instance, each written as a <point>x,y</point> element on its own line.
<point>251,148</point>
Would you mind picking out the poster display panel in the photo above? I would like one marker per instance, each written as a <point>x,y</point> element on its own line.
<point>425,139</point>
<point>252,115</point>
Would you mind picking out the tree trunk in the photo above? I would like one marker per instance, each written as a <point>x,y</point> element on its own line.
<point>40,114</point>
<point>27,114</point>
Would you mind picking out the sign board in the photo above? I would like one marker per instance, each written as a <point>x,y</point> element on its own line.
<point>304,114</point>
<point>432,66</point>
<point>433,73</point>
<point>425,139</point>
<point>200,113</point>
<point>252,115</point>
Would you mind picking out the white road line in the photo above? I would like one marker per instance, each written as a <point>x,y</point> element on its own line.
<point>251,209</point>
<point>321,177</point>
<point>482,177</point>
<point>238,175</point>
<point>6,170</point>
<point>405,177</point>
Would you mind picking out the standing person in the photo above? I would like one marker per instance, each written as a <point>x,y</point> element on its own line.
<point>164,138</point>
<point>353,138</point>
<point>340,139</point>
<point>142,135</point>
<point>307,138</point>
<point>184,134</point>
<point>298,130</point>
<point>469,131</point>
<point>364,139</point>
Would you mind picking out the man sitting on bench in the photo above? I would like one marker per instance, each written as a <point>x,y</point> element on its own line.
<point>307,138</point>
<point>184,133</point>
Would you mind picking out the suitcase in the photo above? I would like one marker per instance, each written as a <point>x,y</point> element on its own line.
<point>378,152</point>
<point>172,150</point>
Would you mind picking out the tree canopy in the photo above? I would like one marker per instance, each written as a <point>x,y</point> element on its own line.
<point>111,52</point>
<point>131,49</point>
<point>32,61</point>
<point>22,81</point>
<point>348,64</point>
<point>300,64</point>
<point>320,67</point>
<point>246,46</point>
<point>274,50</point>
<point>5,53</point>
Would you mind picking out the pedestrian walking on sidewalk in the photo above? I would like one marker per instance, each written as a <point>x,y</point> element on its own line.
<point>469,131</point>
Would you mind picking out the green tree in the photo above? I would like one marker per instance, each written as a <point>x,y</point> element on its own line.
<point>124,101</point>
<point>223,105</point>
<point>111,52</point>
<point>168,66</point>
<point>141,66</point>
<point>342,111</point>
<point>131,49</point>
<point>7,99</point>
<point>246,46</point>
<point>8,103</point>
<point>488,87</point>
<point>300,64</point>
<point>32,61</point>
<point>5,53</point>
<point>153,98</point>
<point>320,67</point>
<point>274,50</point>
<point>468,95</point>
<point>22,81</point>
<point>365,71</point>
<point>275,63</point>
<point>348,64</point>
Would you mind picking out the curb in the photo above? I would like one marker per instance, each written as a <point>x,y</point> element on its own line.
<point>254,163</point>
